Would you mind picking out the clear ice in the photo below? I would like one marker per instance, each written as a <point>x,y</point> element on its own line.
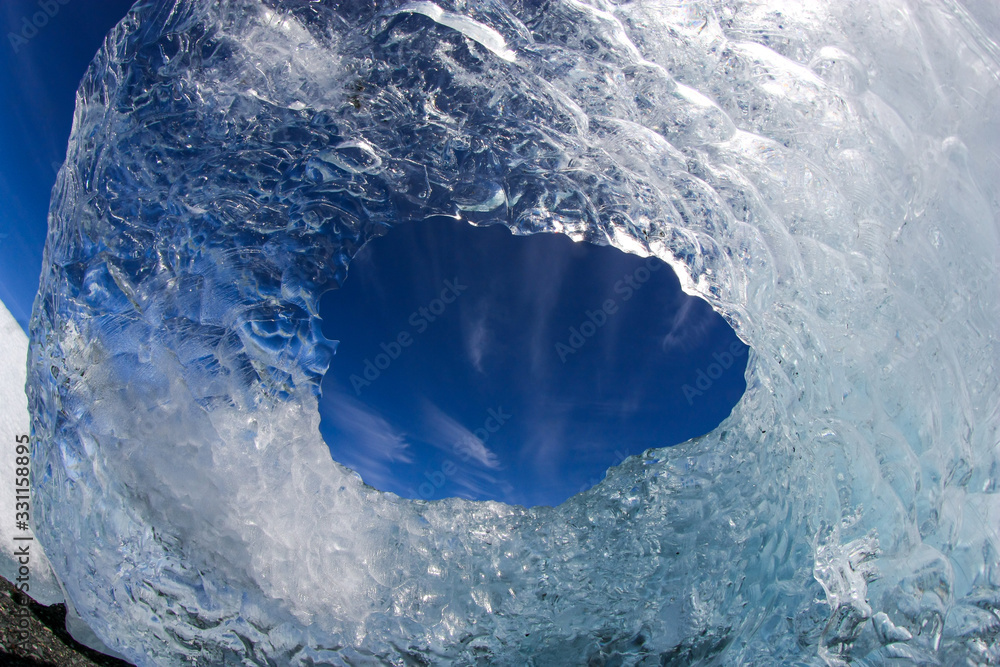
<point>825,175</point>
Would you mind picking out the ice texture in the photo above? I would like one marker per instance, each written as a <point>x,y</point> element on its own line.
<point>824,174</point>
<point>39,582</point>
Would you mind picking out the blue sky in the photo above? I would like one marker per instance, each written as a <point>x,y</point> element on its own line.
<point>471,362</point>
<point>480,364</point>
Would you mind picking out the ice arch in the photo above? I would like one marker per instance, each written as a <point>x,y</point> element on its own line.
<point>825,177</point>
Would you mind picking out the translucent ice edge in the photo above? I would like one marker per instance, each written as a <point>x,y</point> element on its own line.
<point>38,581</point>
<point>826,177</point>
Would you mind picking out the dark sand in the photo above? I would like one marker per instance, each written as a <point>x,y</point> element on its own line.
<point>47,642</point>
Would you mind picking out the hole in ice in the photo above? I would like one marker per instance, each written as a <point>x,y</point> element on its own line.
<point>479,364</point>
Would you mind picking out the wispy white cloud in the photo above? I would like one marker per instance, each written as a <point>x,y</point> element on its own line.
<point>690,324</point>
<point>476,483</point>
<point>542,277</point>
<point>476,339</point>
<point>446,433</point>
<point>546,450</point>
<point>374,445</point>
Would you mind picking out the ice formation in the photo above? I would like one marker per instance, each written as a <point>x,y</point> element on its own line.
<point>39,581</point>
<point>824,174</point>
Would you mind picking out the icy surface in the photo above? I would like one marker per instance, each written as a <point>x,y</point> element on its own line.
<point>824,174</point>
<point>39,582</point>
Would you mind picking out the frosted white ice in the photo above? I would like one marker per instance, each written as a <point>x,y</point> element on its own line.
<point>474,30</point>
<point>824,174</point>
<point>14,422</point>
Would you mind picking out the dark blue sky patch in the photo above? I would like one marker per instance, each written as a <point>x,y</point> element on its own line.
<point>479,364</point>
